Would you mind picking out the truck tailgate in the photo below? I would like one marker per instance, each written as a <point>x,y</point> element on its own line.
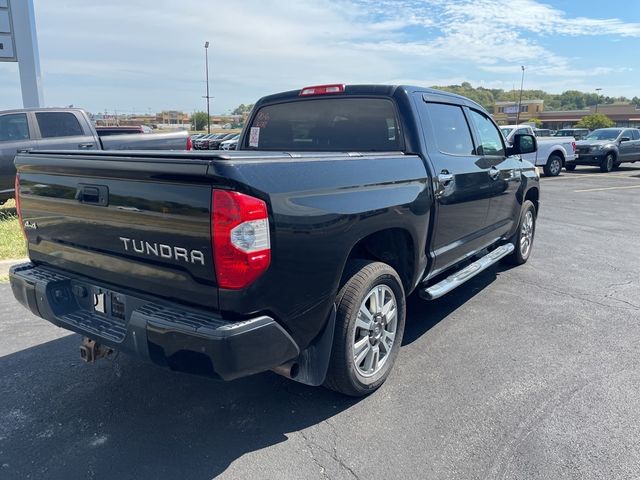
<point>134,222</point>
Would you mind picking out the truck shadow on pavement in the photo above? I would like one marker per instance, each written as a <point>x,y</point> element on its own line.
<point>123,418</point>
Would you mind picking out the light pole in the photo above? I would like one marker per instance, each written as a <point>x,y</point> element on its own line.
<point>206,61</point>
<point>520,101</point>
<point>597,98</point>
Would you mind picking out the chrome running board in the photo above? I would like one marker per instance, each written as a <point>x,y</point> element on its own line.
<point>455,280</point>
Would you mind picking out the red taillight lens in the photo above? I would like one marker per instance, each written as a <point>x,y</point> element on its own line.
<point>573,144</point>
<point>322,90</point>
<point>18,209</point>
<point>240,237</point>
<point>189,143</point>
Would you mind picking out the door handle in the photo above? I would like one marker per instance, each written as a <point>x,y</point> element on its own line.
<point>494,173</point>
<point>444,177</point>
<point>86,145</point>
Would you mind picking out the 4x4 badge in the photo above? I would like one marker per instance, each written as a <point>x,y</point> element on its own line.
<point>30,225</point>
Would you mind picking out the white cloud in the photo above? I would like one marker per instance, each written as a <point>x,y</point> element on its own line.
<point>134,53</point>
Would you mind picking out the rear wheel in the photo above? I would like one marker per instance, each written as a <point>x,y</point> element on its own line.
<point>570,168</point>
<point>369,327</point>
<point>523,238</point>
<point>608,163</point>
<point>553,166</point>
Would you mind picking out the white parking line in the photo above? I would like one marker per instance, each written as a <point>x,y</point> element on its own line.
<point>628,175</point>
<point>606,188</point>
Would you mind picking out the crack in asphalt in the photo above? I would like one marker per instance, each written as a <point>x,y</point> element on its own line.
<point>333,453</point>
<point>309,444</point>
<point>581,296</point>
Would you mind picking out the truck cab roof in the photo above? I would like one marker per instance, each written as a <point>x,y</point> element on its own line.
<point>372,90</point>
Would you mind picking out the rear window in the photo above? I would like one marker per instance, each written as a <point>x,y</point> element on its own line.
<point>58,124</point>
<point>337,124</point>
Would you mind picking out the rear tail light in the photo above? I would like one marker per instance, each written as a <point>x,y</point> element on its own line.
<point>18,208</point>
<point>240,237</point>
<point>189,144</point>
<point>573,144</point>
<point>322,90</point>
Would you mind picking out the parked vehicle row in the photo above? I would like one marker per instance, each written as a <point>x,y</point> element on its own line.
<point>68,129</point>
<point>294,254</point>
<point>211,141</point>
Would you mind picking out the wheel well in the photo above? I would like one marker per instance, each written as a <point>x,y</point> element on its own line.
<point>559,154</point>
<point>394,247</point>
<point>534,195</point>
<point>612,152</point>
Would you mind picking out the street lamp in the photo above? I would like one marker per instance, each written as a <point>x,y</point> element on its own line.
<point>520,101</point>
<point>206,60</point>
<point>597,98</point>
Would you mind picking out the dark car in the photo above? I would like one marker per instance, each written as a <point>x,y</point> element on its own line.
<point>202,143</point>
<point>214,144</point>
<point>608,148</point>
<point>294,253</point>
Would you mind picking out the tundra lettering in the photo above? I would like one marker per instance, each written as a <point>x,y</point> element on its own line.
<point>164,251</point>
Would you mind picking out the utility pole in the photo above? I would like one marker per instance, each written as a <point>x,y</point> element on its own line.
<point>206,60</point>
<point>520,101</point>
<point>598,90</point>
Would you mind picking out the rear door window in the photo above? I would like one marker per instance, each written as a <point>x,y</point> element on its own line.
<point>635,134</point>
<point>450,129</point>
<point>58,124</point>
<point>336,124</point>
<point>14,127</point>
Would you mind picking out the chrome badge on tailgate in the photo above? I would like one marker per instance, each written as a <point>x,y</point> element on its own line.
<point>161,250</point>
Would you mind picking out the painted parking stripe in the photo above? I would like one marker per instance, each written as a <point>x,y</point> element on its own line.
<point>594,177</point>
<point>606,188</point>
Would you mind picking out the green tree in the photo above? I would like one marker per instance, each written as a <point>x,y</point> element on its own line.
<point>199,120</point>
<point>597,120</point>
<point>242,109</point>
<point>536,121</point>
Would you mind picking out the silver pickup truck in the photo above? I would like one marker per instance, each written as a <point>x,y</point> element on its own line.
<point>66,129</point>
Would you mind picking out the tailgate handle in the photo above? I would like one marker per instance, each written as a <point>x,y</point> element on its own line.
<point>93,194</point>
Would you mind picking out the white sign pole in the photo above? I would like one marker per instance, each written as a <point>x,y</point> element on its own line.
<point>20,43</point>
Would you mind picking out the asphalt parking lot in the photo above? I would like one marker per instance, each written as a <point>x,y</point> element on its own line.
<point>532,372</point>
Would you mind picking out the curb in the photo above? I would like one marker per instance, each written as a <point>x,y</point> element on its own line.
<point>6,264</point>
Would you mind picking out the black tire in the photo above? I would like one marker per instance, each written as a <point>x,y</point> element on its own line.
<point>607,163</point>
<point>570,168</point>
<point>363,276</point>
<point>519,255</point>
<point>553,166</point>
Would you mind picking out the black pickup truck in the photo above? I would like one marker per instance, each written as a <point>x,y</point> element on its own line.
<point>294,254</point>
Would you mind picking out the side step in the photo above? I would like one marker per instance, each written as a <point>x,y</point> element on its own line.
<point>455,280</point>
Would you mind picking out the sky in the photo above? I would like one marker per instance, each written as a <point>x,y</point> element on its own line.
<point>145,56</point>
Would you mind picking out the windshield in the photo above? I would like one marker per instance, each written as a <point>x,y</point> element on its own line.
<point>328,124</point>
<point>605,134</point>
<point>506,131</point>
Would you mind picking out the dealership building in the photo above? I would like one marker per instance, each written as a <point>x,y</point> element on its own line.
<point>505,113</point>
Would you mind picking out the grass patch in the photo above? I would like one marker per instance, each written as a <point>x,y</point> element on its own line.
<point>4,278</point>
<point>12,243</point>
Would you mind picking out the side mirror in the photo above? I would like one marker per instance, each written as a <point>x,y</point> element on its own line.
<point>625,139</point>
<point>522,143</point>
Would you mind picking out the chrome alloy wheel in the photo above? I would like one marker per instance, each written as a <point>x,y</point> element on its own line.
<point>526,234</point>
<point>555,167</point>
<point>375,330</point>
